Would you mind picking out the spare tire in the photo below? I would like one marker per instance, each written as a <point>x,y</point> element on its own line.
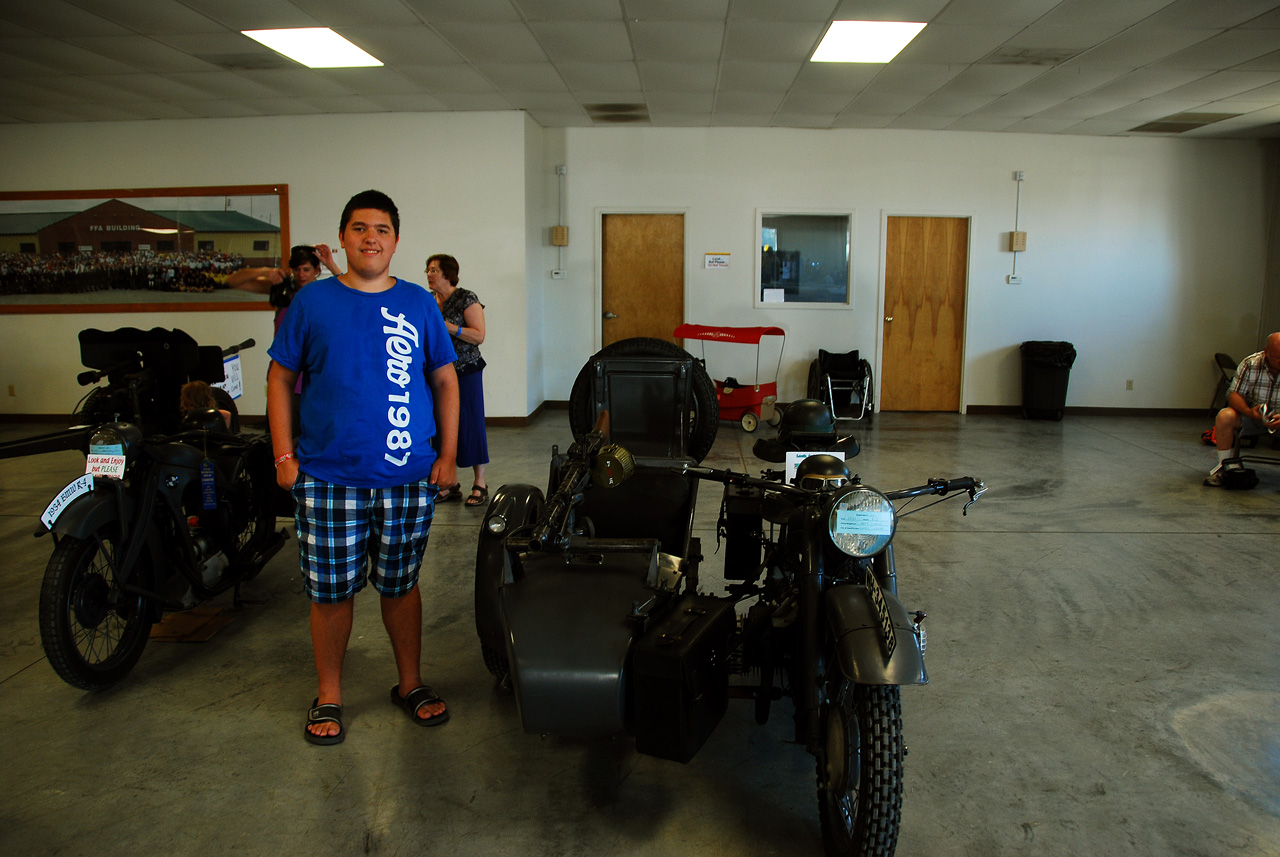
<point>704,420</point>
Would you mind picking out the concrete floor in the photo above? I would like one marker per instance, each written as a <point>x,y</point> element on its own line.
<point>1102,646</point>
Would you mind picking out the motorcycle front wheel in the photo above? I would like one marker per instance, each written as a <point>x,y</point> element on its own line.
<point>860,784</point>
<point>92,630</point>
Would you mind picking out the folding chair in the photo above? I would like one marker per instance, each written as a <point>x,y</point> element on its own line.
<point>1227,371</point>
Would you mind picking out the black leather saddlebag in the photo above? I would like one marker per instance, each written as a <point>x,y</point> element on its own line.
<point>680,675</point>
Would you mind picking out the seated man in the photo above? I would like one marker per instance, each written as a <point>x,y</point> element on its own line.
<point>1253,402</point>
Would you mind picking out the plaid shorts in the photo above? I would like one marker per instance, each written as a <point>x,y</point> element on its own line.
<point>343,530</point>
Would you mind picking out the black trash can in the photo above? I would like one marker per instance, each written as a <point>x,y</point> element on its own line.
<point>1046,367</point>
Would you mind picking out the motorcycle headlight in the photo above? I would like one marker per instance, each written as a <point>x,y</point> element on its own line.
<point>861,522</point>
<point>114,439</point>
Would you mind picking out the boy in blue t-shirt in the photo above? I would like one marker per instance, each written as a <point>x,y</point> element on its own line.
<point>378,384</point>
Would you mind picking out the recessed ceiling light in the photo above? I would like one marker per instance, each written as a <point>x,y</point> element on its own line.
<point>314,47</point>
<point>864,41</point>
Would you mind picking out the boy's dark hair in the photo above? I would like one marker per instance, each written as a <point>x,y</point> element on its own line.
<point>302,254</point>
<point>448,266</point>
<point>376,200</point>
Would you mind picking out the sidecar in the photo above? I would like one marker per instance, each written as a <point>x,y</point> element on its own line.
<point>601,633</point>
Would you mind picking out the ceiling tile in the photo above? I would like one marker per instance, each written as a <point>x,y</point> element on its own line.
<point>1032,125</point>
<point>995,12</point>
<point>61,57</point>
<point>920,11</point>
<point>683,41</point>
<point>1141,45</point>
<point>684,10</point>
<point>884,102</point>
<point>406,102</point>
<point>1063,37</point>
<point>771,41</point>
<point>561,101</point>
<point>303,83</point>
<point>410,43</point>
<point>747,102</point>
<point>492,42</point>
<point>679,102</point>
<point>609,96</point>
<point>1086,13</point>
<point>950,104</point>
<point>140,52</point>
<point>227,84</point>
<point>1146,82</point>
<point>1210,13</point>
<point>760,76</point>
<point>992,79</point>
<point>253,14</point>
<point>347,104</point>
<point>473,101</point>
<point>803,120</point>
<point>149,86</point>
<point>1082,108</point>
<point>1099,128</point>
<point>12,66</point>
<point>603,75</point>
<point>1266,62</point>
<point>455,78</point>
<point>836,76</point>
<point>370,81</point>
<point>862,120</point>
<point>454,11</point>
<point>1223,51</point>
<point>57,17</point>
<point>679,76</point>
<point>914,79</point>
<point>814,102</point>
<point>680,120</point>
<point>917,122</point>
<point>956,43</point>
<point>1068,81</point>
<point>557,119</point>
<point>523,77</point>
<point>816,11</point>
<point>571,10</point>
<point>223,41</point>
<point>1223,84</point>
<point>721,119</point>
<point>366,13</point>
<point>150,19</point>
<point>229,109</point>
<point>599,41</point>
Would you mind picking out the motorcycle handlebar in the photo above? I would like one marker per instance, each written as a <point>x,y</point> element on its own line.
<point>235,349</point>
<point>939,487</point>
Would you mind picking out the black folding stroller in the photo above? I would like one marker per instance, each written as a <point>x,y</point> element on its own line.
<point>843,381</point>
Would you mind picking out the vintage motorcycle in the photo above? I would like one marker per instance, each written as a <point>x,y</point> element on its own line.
<point>588,604</point>
<point>161,520</point>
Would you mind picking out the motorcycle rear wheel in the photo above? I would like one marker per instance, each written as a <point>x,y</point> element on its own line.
<point>860,786</point>
<point>92,630</point>
<point>251,513</point>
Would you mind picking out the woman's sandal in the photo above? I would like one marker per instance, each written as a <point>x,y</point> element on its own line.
<point>413,701</point>
<point>328,713</point>
<point>478,499</point>
<point>453,492</point>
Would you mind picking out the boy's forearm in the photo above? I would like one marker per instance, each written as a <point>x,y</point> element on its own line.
<point>280,385</point>
<point>444,392</point>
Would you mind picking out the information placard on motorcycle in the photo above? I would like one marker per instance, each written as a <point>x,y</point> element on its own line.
<point>104,465</point>
<point>80,486</point>
<point>234,383</point>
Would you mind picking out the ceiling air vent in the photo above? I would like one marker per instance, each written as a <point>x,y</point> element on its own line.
<point>616,113</point>
<point>1181,122</point>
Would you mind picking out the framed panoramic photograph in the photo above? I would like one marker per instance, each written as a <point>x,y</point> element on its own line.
<point>138,249</point>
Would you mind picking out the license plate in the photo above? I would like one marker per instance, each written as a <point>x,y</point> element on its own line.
<point>888,638</point>
<point>104,465</point>
<point>83,485</point>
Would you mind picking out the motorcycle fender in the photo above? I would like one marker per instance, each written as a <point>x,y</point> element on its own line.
<point>859,640</point>
<point>85,514</point>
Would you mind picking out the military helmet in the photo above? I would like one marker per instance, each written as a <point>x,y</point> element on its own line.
<point>822,472</point>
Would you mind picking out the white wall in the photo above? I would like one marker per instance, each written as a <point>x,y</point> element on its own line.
<point>458,179</point>
<point>1146,254</point>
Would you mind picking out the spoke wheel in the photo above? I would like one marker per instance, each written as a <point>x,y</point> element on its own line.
<point>860,784</point>
<point>92,630</point>
<point>250,513</point>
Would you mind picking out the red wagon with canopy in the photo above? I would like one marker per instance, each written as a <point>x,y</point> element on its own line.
<point>738,401</point>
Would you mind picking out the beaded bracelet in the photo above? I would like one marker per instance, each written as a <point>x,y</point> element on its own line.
<point>282,459</point>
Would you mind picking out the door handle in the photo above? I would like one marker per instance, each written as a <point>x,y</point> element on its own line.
<point>609,315</point>
<point>888,318</point>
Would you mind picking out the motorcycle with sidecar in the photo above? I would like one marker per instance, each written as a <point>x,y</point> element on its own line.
<point>170,511</point>
<point>589,603</point>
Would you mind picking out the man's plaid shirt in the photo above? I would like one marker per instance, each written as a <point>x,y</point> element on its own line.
<point>1255,383</point>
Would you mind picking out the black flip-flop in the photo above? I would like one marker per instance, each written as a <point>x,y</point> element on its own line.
<point>414,700</point>
<point>328,713</point>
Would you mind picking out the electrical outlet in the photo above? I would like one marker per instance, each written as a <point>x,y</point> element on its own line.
<point>559,274</point>
<point>1013,280</point>
<point>1128,384</point>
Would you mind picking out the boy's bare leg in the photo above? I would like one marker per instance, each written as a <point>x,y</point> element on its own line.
<point>330,633</point>
<point>403,619</point>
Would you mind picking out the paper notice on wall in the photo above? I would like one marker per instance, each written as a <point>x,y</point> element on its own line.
<point>717,260</point>
<point>773,296</point>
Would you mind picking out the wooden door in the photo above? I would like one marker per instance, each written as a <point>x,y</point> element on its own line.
<point>926,267</point>
<point>642,276</point>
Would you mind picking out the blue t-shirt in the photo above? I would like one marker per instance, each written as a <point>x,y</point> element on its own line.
<point>367,411</point>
